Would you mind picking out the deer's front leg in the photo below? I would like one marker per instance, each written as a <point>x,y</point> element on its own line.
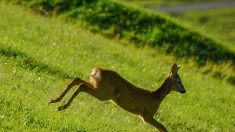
<point>76,81</point>
<point>81,87</point>
<point>155,123</point>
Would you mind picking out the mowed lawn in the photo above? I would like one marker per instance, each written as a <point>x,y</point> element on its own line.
<point>36,52</point>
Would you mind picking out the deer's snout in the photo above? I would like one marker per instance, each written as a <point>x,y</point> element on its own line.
<point>183,91</point>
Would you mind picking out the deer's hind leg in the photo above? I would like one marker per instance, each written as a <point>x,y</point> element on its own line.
<point>81,87</point>
<point>75,81</point>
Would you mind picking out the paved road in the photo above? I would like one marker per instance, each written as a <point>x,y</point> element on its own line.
<point>194,7</point>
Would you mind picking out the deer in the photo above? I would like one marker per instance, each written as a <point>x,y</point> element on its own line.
<point>109,85</point>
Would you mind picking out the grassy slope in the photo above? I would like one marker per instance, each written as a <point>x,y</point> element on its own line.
<point>220,23</point>
<point>25,91</point>
<point>116,19</point>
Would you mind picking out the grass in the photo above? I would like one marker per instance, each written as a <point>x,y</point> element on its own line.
<point>217,22</point>
<point>116,19</point>
<point>37,54</point>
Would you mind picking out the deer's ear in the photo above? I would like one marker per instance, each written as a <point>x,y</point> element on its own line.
<point>174,69</point>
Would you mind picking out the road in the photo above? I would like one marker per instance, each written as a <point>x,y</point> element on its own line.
<point>194,7</point>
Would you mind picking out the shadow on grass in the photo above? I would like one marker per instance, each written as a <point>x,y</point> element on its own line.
<point>24,61</point>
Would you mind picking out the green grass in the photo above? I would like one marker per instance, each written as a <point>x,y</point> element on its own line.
<point>219,22</point>
<point>117,19</point>
<point>37,54</point>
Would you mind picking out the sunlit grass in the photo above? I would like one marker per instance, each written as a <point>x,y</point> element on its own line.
<point>208,104</point>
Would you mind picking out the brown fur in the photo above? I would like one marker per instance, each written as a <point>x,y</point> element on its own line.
<point>106,84</point>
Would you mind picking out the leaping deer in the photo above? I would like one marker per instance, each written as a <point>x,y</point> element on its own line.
<point>106,84</point>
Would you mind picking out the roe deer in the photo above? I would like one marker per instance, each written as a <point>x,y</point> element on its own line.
<point>107,84</point>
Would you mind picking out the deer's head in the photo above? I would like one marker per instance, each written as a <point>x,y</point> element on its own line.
<point>174,78</point>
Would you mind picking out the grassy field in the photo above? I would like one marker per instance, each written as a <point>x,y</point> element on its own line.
<point>36,55</point>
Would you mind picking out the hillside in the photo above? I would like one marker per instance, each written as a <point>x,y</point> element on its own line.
<point>116,19</point>
<point>38,54</point>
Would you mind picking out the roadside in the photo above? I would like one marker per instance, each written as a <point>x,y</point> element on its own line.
<point>216,19</point>
<point>193,7</point>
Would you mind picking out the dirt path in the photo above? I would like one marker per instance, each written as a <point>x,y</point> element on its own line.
<point>194,7</point>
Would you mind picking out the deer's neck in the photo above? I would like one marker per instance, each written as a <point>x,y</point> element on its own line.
<point>163,91</point>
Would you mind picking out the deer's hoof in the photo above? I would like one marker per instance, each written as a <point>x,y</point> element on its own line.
<point>61,108</point>
<point>52,101</point>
